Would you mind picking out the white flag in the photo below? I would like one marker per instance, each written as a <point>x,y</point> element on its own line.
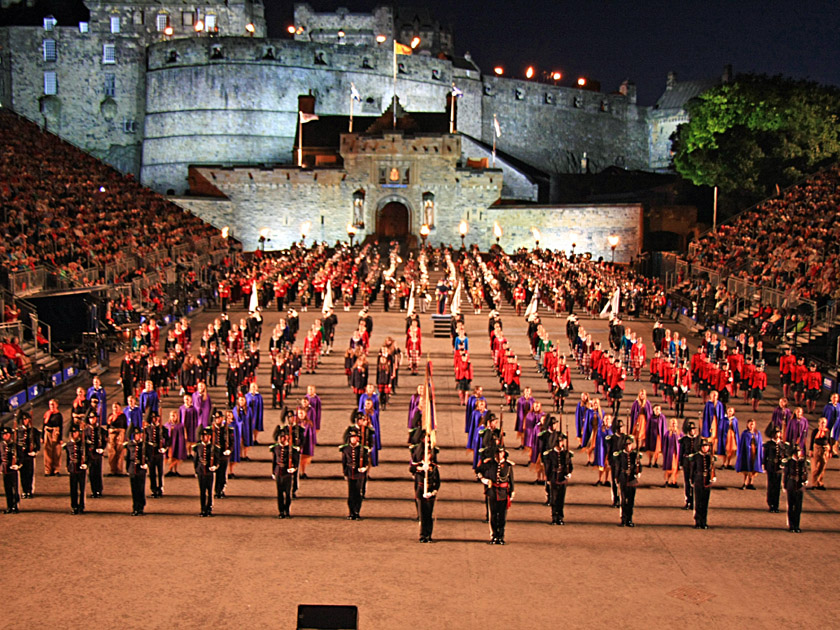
<point>255,300</point>
<point>328,301</point>
<point>305,118</point>
<point>354,93</point>
<point>410,309</point>
<point>497,127</point>
<point>456,92</point>
<point>455,307</point>
<point>611,307</point>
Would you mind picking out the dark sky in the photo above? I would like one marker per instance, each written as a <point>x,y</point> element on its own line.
<point>613,40</point>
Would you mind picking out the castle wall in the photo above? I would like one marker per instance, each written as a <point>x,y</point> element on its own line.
<point>587,226</point>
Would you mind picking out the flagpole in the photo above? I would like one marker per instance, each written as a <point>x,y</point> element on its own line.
<point>351,112</point>
<point>300,140</point>
<point>452,113</point>
<point>394,98</point>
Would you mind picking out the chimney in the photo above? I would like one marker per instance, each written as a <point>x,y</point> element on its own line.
<point>727,75</point>
<point>671,80</point>
<point>628,89</point>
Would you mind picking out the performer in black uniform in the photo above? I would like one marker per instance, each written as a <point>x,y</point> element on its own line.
<point>157,441</point>
<point>222,439</point>
<point>9,466</point>
<point>78,455</point>
<point>796,478</point>
<point>497,476</point>
<point>558,469</point>
<point>426,485</point>
<point>285,460</point>
<point>774,454</point>
<point>29,442</point>
<point>615,445</point>
<point>689,444</point>
<point>136,465</point>
<point>355,460</point>
<point>205,465</point>
<point>702,478</point>
<point>629,471</point>
<point>98,438</point>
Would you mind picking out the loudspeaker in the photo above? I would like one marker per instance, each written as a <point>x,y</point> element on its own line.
<point>319,617</point>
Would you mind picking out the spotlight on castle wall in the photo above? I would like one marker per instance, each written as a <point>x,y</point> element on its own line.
<point>250,28</point>
<point>581,81</point>
<point>529,73</point>
<point>415,42</point>
<point>556,76</point>
<point>199,26</point>
<point>499,70</point>
<point>381,39</point>
<point>291,29</point>
<point>168,31</point>
<point>341,33</point>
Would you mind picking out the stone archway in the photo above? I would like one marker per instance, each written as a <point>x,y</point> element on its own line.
<point>392,221</point>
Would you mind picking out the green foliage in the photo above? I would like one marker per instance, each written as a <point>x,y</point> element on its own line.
<point>750,135</point>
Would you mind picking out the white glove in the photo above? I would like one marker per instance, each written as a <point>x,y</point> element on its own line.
<point>227,452</point>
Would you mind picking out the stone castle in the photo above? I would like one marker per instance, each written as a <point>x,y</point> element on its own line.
<point>197,102</point>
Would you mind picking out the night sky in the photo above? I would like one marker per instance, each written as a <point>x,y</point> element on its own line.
<point>611,41</point>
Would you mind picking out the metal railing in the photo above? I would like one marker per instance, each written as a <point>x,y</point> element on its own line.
<point>28,281</point>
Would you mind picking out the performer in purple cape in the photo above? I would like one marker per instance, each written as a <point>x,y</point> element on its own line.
<point>242,413</point>
<point>782,416</point>
<point>593,421</point>
<point>314,406</point>
<point>655,428</point>
<point>530,429</point>
<point>831,412</point>
<point>640,405</point>
<point>133,415</point>
<point>414,405</point>
<point>189,418</point>
<point>796,432</point>
<point>580,418</point>
<point>203,405</point>
<point>307,447</point>
<point>523,407</point>
<point>713,412</point>
<point>475,423</point>
<point>671,453</point>
<point>236,425</point>
<point>750,455</point>
<point>177,443</point>
<point>601,452</point>
<point>478,394</point>
<point>727,437</point>
<point>254,400</point>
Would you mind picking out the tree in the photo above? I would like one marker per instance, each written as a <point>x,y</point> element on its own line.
<point>758,132</point>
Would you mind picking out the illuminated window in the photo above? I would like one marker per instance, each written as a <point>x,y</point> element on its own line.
<point>110,84</point>
<point>50,83</point>
<point>49,50</point>
<point>210,23</point>
<point>115,24</point>
<point>161,22</point>
<point>49,23</point>
<point>109,53</point>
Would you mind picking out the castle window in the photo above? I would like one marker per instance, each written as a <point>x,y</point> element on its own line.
<point>429,209</point>
<point>161,22</point>
<point>210,23</point>
<point>172,57</point>
<point>488,90</point>
<point>549,99</point>
<point>401,68</point>
<point>216,53</point>
<point>84,27</point>
<point>49,23</point>
<point>436,75</point>
<point>268,54</point>
<point>49,50</point>
<point>187,18</point>
<point>519,94</point>
<point>366,64</point>
<point>109,53</point>
<point>115,24</point>
<point>319,59</point>
<point>110,84</point>
<point>577,102</point>
<point>605,106</point>
<point>50,84</point>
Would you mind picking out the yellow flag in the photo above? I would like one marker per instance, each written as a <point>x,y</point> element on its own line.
<point>401,49</point>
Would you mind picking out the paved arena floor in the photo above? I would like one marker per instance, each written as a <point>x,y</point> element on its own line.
<point>245,568</point>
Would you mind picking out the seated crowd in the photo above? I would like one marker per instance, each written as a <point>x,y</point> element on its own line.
<point>65,208</point>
